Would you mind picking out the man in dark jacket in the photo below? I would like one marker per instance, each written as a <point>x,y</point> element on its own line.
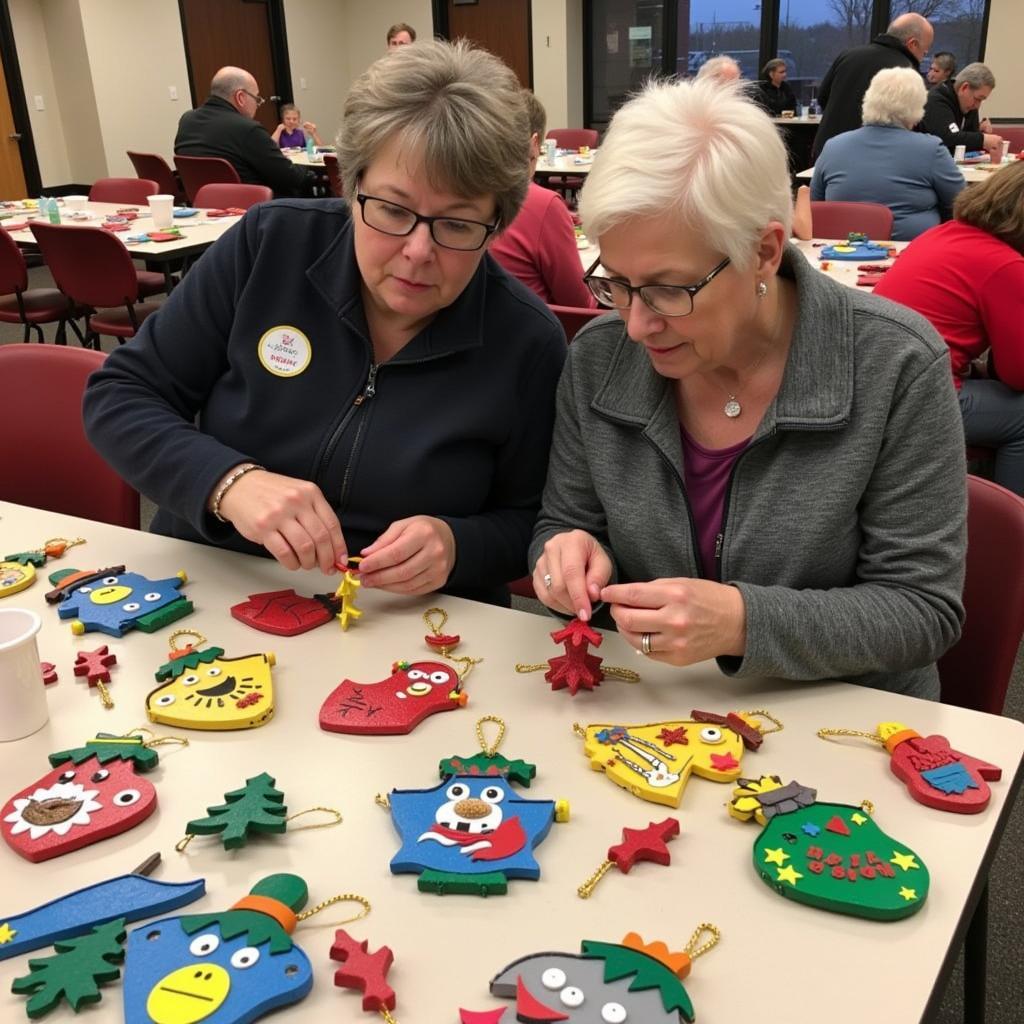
<point>903,44</point>
<point>224,126</point>
<point>951,112</point>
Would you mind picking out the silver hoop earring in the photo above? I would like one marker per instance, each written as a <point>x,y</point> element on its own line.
<point>762,289</point>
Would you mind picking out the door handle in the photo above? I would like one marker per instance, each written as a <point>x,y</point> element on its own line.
<point>16,136</point>
<point>275,99</point>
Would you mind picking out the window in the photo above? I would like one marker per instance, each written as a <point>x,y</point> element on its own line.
<point>715,27</point>
<point>957,25</point>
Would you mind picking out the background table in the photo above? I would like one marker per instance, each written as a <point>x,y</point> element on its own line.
<point>564,165</point>
<point>973,173</point>
<point>777,961</point>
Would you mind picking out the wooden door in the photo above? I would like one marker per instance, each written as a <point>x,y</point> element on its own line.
<point>501,26</point>
<point>12,175</point>
<point>230,32</point>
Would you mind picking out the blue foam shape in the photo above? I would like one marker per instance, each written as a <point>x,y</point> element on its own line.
<point>950,778</point>
<point>114,618</point>
<point>185,211</point>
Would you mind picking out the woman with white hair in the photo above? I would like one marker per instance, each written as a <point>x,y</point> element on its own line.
<point>751,462</point>
<point>887,162</point>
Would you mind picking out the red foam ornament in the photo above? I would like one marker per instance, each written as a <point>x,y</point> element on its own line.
<point>485,1017</point>
<point>363,971</point>
<point>644,844</point>
<point>576,668</point>
<point>49,671</point>
<point>285,613</point>
<point>95,665</point>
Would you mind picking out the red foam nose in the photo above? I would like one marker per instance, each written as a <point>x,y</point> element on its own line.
<point>530,1009</point>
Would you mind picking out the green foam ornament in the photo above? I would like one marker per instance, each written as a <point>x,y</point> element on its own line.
<point>831,856</point>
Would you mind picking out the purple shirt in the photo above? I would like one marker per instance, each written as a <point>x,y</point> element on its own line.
<point>292,140</point>
<point>706,472</point>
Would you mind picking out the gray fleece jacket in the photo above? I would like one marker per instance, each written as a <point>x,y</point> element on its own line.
<point>845,517</point>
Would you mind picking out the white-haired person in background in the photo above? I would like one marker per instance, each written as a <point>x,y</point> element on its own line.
<point>721,69</point>
<point>887,162</point>
<point>751,462</point>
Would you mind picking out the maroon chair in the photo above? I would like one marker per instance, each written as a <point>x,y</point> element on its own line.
<point>197,171</point>
<point>522,587</point>
<point>333,175</point>
<point>837,220</point>
<point>32,308</point>
<point>575,318</point>
<point>46,460</point>
<point>93,269</point>
<point>133,191</point>
<point>1013,133</point>
<point>221,196</point>
<point>570,138</point>
<point>156,168</point>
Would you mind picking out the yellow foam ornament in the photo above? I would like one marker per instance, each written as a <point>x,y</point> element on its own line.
<point>15,577</point>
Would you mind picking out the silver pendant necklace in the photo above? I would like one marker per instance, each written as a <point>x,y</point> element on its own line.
<point>732,407</point>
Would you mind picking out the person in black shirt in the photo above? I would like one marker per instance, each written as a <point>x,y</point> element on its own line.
<point>951,112</point>
<point>773,91</point>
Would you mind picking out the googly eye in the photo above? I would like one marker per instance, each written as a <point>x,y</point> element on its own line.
<point>164,701</point>
<point>65,776</point>
<point>131,606</point>
<point>571,996</point>
<point>613,1013</point>
<point>153,596</point>
<point>438,678</point>
<point>85,590</point>
<point>190,680</point>
<point>245,957</point>
<point>109,580</point>
<point>712,734</point>
<point>213,671</point>
<point>417,674</point>
<point>101,776</point>
<point>204,945</point>
<point>457,791</point>
<point>126,798</point>
<point>492,795</point>
<point>553,978</point>
<point>418,689</point>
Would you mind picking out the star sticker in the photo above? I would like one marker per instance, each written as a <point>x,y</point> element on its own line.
<point>778,856</point>
<point>904,860</point>
<point>908,894</point>
<point>672,736</point>
<point>858,818</point>
<point>724,762</point>
<point>810,829</point>
<point>6,933</point>
<point>789,874</point>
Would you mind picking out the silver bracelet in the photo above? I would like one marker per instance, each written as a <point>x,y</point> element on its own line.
<point>237,475</point>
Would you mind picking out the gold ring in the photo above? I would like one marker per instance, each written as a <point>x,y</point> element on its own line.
<point>645,643</point>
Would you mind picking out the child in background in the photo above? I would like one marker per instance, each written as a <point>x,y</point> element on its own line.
<point>289,134</point>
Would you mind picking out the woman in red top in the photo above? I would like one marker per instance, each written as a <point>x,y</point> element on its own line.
<point>967,277</point>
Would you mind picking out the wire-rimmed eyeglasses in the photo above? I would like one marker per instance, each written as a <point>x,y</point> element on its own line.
<point>663,299</point>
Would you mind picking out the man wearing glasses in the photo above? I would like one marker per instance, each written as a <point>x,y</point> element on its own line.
<point>225,126</point>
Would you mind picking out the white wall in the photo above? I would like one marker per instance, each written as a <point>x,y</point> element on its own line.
<point>558,60</point>
<point>368,24</point>
<point>1003,56</point>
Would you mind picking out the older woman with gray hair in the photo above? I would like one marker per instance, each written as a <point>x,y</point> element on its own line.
<point>887,162</point>
<point>367,381</point>
<point>751,462</point>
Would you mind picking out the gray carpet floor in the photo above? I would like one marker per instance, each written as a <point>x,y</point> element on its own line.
<point>1006,914</point>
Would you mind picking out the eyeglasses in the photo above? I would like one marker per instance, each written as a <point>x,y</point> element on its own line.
<point>259,99</point>
<point>663,299</point>
<point>449,232</point>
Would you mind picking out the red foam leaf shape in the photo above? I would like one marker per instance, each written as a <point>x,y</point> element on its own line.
<point>644,844</point>
<point>363,971</point>
<point>94,665</point>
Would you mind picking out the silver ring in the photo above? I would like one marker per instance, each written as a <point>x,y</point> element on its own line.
<point>645,643</point>
<point>547,580</point>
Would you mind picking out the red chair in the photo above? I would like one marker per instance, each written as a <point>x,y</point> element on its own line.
<point>133,191</point>
<point>837,220</point>
<point>93,269</point>
<point>197,171</point>
<point>220,196</point>
<point>575,318</point>
<point>46,460</point>
<point>522,587</point>
<point>1013,133</point>
<point>34,307</point>
<point>333,175</point>
<point>156,168</point>
<point>570,138</point>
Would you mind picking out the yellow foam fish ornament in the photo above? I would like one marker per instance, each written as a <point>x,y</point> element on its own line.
<point>204,690</point>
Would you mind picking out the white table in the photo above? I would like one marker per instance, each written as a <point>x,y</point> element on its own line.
<point>806,119</point>
<point>570,164</point>
<point>849,970</point>
<point>302,158</point>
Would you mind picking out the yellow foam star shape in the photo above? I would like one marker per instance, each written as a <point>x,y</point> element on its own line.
<point>6,933</point>
<point>789,874</point>
<point>778,856</point>
<point>908,894</point>
<point>904,860</point>
<point>348,611</point>
<point>858,818</point>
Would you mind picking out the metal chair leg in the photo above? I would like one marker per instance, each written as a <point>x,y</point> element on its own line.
<point>975,966</point>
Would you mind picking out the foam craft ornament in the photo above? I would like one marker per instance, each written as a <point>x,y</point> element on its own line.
<point>93,792</point>
<point>222,968</point>
<point>577,669</point>
<point>113,601</point>
<point>95,667</point>
<point>934,773</point>
<point>346,592</point>
<point>131,897</point>
<point>396,705</point>
<point>655,761</point>
<point>258,808</point>
<point>365,972</point>
<point>202,689</point>
<point>18,570</point>
<point>472,832</point>
<point>285,613</point>
<point>631,981</point>
<point>856,247</point>
<point>830,856</point>
<point>649,843</point>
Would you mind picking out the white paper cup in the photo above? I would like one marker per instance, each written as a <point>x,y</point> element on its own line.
<point>161,209</point>
<point>959,154</point>
<point>75,204</point>
<point>1006,147</point>
<point>23,706</point>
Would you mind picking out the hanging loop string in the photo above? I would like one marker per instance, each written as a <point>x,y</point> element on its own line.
<point>761,713</point>
<point>693,949</point>
<point>345,897</point>
<point>492,749</point>
<point>336,818</point>
<point>826,734</point>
